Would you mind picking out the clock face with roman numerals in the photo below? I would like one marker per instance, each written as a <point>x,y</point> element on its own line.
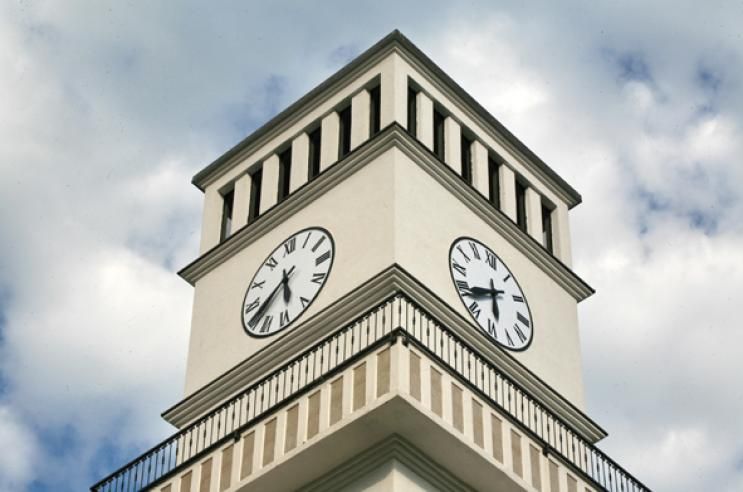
<point>491,294</point>
<point>288,281</point>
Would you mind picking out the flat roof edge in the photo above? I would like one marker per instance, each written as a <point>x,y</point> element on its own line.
<point>395,37</point>
<point>199,178</point>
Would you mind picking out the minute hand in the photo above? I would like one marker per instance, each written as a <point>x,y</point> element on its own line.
<point>262,309</point>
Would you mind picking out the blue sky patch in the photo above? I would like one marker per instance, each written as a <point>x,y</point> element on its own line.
<point>343,54</point>
<point>632,66</point>
<point>708,79</point>
<point>260,104</point>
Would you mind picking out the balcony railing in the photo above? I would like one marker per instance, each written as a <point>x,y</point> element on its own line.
<point>397,317</point>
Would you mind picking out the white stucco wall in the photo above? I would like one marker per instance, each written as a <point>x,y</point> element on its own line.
<point>359,215</point>
<point>428,218</point>
<point>390,211</point>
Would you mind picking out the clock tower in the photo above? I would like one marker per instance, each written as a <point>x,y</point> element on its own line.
<point>383,301</point>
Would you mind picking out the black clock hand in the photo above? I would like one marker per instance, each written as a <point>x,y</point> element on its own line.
<point>481,291</point>
<point>263,307</point>
<point>287,290</point>
<point>496,313</point>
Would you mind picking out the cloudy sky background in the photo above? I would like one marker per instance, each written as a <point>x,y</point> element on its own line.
<point>108,108</point>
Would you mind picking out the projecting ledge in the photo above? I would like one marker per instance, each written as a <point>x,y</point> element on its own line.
<point>396,429</point>
<point>393,404</point>
<point>354,308</point>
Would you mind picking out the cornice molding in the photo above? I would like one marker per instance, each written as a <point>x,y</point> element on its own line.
<point>393,136</point>
<point>392,448</point>
<point>397,42</point>
<point>343,311</point>
<point>557,270</point>
<point>487,122</point>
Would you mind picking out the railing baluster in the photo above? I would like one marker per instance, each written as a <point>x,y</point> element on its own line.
<point>333,354</point>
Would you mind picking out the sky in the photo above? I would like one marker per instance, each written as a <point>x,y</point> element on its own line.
<point>108,108</point>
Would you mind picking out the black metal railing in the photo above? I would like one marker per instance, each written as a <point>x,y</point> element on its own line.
<point>398,316</point>
<point>300,375</point>
<point>480,375</point>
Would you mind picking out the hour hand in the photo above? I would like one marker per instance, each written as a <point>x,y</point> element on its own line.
<point>262,309</point>
<point>480,291</point>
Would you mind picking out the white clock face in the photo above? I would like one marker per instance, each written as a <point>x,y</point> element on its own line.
<point>288,281</point>
<point>491,294</point>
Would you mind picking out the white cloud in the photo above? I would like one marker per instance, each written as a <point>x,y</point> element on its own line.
<point>639,96</point>
<point>508,84</point>
<point>659,337</point>
<point>18,459</point>
<point>111,322</point>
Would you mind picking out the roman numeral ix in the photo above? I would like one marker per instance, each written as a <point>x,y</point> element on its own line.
<point>463,286</point>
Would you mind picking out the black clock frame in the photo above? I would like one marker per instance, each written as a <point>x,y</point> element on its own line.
<point>477,323</point>
<point>330,269</point>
